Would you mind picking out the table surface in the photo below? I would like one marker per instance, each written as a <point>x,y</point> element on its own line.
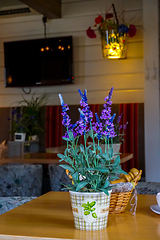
<point>47,158</point>
<point>50,216</point>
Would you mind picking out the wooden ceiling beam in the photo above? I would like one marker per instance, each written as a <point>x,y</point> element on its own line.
<point>48,8</point>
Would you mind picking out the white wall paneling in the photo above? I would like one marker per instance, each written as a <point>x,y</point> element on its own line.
<point>91,70</point>
<point>151,89</point>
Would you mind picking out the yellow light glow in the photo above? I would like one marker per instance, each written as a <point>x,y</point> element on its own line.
<point>62,48</point>
<point>59,47</point>
<point>47,48</point>
<point>113,45</point>
<point>42,49</point>
<point>69,47</point>
<point>9,79</point>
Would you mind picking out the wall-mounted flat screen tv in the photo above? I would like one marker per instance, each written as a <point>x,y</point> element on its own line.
<point>38,62</point>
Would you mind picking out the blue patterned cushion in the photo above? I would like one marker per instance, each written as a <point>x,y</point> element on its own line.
<point>58,178</point>
<point>148,188</point>
<point>8,203</point>
<point>21,180</point>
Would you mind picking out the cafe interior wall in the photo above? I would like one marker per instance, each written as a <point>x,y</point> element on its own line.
<point>91,70</point>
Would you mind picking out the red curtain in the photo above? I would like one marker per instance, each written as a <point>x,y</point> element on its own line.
<point>53,126</point>
<point>130,144</point>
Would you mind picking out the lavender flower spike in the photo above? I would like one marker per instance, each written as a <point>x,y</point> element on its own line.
<point>61,99</point>
<point>81,112</point>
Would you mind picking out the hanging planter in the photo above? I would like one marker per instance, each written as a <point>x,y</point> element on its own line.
<point>113,34</point>
<point>113,45</point>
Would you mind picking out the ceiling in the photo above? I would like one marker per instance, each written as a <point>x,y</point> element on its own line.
<point>49,8</point>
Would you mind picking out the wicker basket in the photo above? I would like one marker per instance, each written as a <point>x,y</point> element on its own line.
<point>119,201</point>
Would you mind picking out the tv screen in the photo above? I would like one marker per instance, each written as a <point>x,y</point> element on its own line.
<point>38,62</point>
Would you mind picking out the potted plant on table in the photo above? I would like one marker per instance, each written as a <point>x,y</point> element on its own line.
<point>118,139</point>
<point>34,107</point>
<point>89,168</point>
<point>120,132</point>
<point>20,124</point>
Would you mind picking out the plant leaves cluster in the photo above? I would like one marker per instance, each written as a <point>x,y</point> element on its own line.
<point>90,169</point>
<point>28,118</point>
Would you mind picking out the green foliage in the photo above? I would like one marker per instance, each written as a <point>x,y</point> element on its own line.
<point>33,109</point>
<point>90,168</point>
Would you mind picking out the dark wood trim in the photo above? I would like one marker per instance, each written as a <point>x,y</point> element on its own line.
<point>48,8</point>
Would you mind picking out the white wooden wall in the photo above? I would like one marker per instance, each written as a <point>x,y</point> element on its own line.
<point>91,70</point>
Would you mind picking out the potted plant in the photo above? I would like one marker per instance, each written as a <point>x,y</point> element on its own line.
<point>120,132</point>
<point>34,107</point>
<point>118,139</point>
<point>89,168</point>
<point>113,32</point>
<point>20,124</point>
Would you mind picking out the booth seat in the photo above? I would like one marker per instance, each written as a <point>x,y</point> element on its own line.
<point>24,180</point>
<point>148,188</point>
<point>58,178</point>
<point>8,203</point>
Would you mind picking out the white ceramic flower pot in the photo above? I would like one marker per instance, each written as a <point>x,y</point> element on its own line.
<point>116,147</point>
<point>19,137</point>
<point>90,210</point>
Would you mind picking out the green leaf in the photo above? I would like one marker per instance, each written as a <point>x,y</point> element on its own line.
<point>103,170</point>
<point>105,191</point>
<point>92,203</point>
<point>67,167</point>
<point>84,205</point>
<point>66,139</point>
<point>117,160</point>
<point>75,176</point>
<point>107,183</point>
<point>71,137</point>
<point>81,185</point>
<point>86,213</point>
<point>111,152</point>
<point>82,148</point>
<point>94,215</point>
<point>61,156</point>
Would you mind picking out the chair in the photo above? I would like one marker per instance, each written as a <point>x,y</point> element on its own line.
<point>23,180</point>
<point>148,188</point>
<point>58,177</point>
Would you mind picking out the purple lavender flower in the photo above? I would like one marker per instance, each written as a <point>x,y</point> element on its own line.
<point>98,127</point>
<point>66,119</point>
<point>106,117</point>
<point>125,126</point>
<point>14,111</point>
<point>82,123</point>
<point>119,118</point>
<point>88,115</point>
<point>120,127</point>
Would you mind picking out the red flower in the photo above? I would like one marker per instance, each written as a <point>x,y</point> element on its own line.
<point>91,33</point>
<point>109,15</point>
<point>132,31</point>
<point>98,19</point>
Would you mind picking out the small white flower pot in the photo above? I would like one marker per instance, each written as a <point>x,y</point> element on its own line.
<point>90,210</point>
<point>19,137</point>
<point>116,147</point>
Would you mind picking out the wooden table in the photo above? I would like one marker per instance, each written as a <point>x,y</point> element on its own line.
<point>50,216</point>
<point>47,158</point>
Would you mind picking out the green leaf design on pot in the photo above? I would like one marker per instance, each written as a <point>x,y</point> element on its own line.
<point>94,215</point>
<point>88,208</point>
<point>86,212</point>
